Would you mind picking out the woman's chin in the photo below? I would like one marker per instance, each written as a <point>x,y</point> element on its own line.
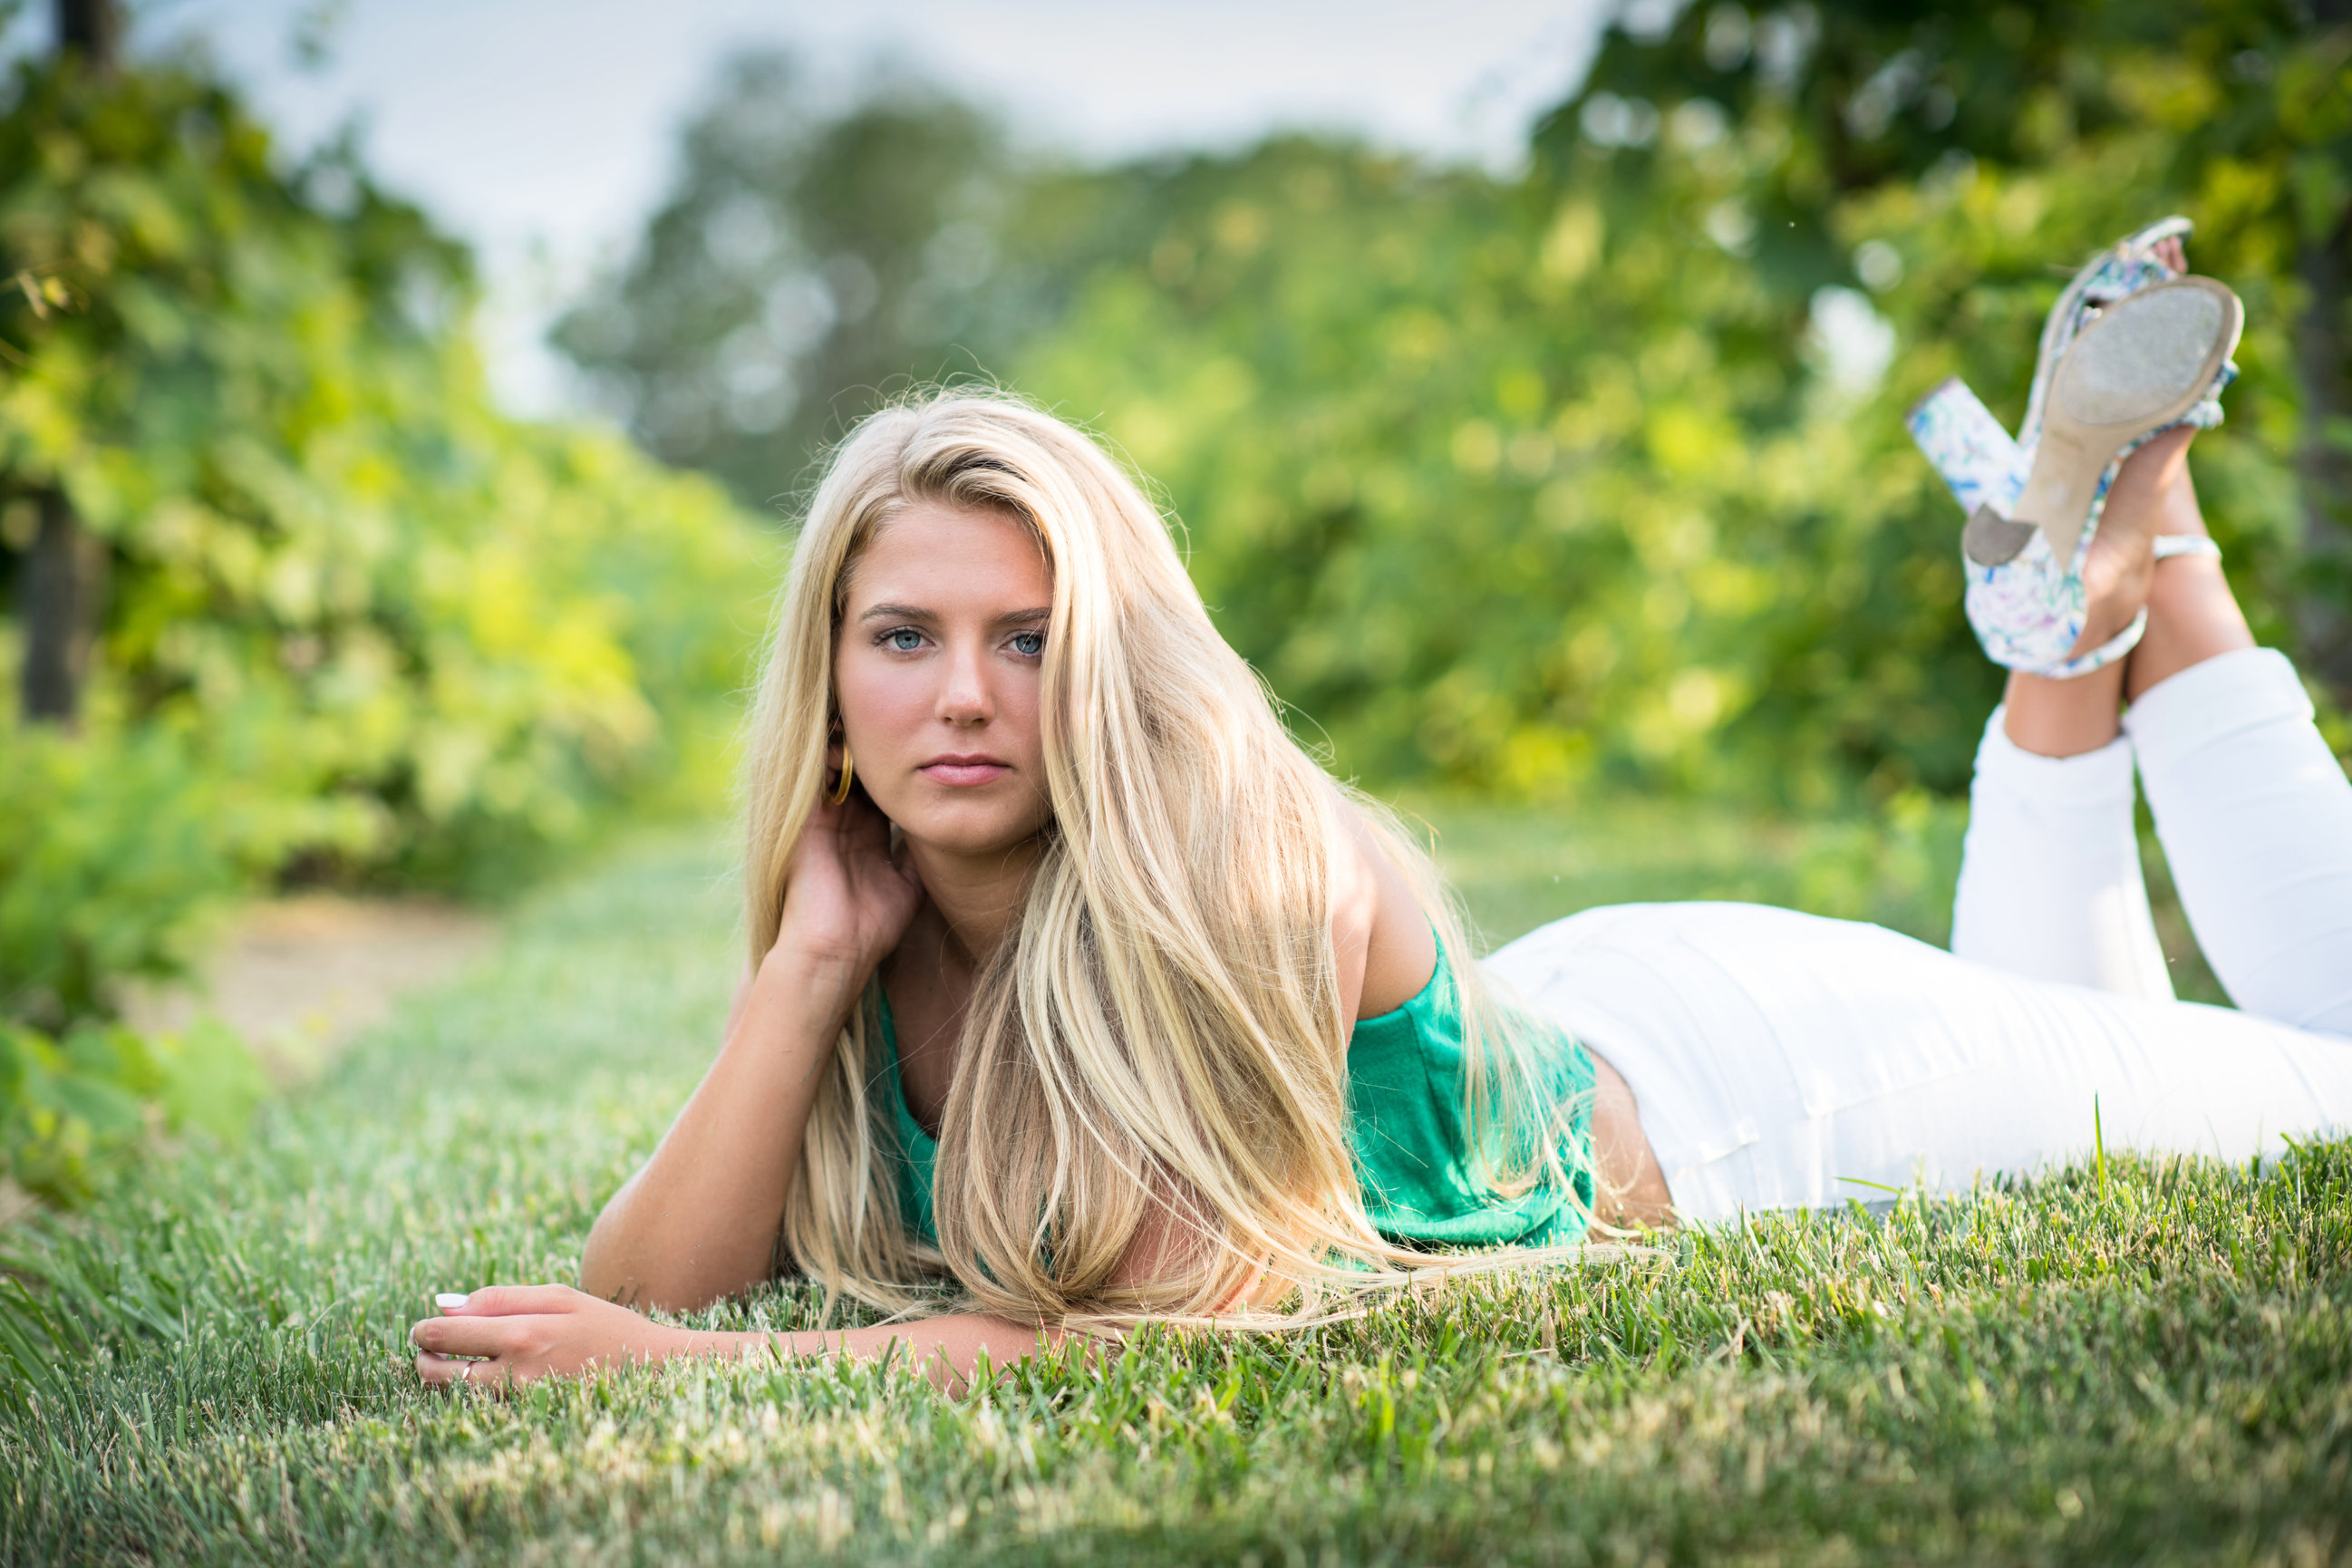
<point>970,827</point>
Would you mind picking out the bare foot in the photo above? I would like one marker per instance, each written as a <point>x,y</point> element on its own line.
<point>2192,615</point>
<point>2068,718</point>
<point>2121,565</point>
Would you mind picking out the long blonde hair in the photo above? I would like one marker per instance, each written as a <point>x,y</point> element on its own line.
<point>1160,1036</point>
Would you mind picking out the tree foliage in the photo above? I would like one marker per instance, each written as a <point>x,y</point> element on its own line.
<point>1493,489</point>
<point>1599,474</point>
<point>357,622</point>
<point>812,255</point>
<point>257,387</point>
<point>1953,158</point>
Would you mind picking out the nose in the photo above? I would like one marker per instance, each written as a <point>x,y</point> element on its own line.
<point>965,699</point>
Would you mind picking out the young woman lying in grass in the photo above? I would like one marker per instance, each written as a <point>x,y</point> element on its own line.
<point>1079,996</point>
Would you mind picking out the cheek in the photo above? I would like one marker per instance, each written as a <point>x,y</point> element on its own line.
<point>1020,701</point>
<point>878,699</point>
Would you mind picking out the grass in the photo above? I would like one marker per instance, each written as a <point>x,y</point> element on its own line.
<point>209,1364</point>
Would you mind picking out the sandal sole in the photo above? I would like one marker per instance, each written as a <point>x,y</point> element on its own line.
<point>2146,361</point>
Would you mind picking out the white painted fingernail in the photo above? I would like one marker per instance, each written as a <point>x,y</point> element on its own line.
<point>449,1301</point>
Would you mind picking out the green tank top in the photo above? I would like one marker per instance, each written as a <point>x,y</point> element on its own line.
<point>1407,1116</point>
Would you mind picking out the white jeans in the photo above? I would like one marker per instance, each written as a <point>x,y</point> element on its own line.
<point>1781,1060</point>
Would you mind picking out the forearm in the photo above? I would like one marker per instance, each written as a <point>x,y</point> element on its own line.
<point>947,1349</point>
<point>501,1335</point>
<point>699,1222</point>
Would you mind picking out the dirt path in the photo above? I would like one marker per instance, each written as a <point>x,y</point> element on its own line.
<point>297,976</point>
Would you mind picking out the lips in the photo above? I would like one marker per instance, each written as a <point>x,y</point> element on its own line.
<point>964,770</point>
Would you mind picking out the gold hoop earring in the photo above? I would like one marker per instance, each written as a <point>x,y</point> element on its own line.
<point>841,791</point>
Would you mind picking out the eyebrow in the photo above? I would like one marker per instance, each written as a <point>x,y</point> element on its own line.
<point>917,613</point>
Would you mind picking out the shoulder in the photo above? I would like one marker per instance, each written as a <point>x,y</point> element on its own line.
<point>1381,934</point>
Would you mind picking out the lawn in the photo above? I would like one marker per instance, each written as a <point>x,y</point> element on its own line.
<point>2141,1362</point>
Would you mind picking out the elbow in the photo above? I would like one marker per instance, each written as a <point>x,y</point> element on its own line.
<point>623,1265</point>
<point>609,1266</point>
<point>600,1274</point>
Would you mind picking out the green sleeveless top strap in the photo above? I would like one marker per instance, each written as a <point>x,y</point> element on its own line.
<point>1408,1119</point>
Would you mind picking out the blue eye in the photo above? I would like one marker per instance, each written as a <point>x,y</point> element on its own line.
<point>905,639</point>
<point>1029,644</point>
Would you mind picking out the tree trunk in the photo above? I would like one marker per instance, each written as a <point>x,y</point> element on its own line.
<point>2322,344</point>
<point>61,583</point>
<point>92,28</point>
<point>2323,361</point>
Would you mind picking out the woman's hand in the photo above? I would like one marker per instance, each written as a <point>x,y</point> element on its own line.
<point>700,1220</point>
<point>527,1331</point>
<point>847,901</point>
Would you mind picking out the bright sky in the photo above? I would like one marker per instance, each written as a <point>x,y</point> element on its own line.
<point>542,131</point>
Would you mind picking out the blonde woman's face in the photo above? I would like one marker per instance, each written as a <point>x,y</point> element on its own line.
<point>938,671</point>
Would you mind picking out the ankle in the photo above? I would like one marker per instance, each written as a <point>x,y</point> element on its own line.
<point>2063,717</point>
<point>2192,616</point>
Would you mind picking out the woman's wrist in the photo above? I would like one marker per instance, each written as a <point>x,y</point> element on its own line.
<point>822,983</point>
<point>730,1344</point>
<point>706,1343</point>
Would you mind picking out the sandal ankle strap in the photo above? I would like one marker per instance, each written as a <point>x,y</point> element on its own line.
<point>2099,658</point>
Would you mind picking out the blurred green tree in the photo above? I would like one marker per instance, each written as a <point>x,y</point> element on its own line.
<point>62,584</point>
<point>252,389</point>
<point>1953,157</point>
<point>814,254</point>
<point>1637,495</point>
<point>1599,474</point>
<point>1497,490</point>
<point>322,608</point>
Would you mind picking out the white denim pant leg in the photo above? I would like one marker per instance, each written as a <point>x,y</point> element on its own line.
<point>2255,817</point>
<point>2050,875</point>
<point>1783,1060</point>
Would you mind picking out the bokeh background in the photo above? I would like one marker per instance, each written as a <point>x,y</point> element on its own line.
<point>403,406</point>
